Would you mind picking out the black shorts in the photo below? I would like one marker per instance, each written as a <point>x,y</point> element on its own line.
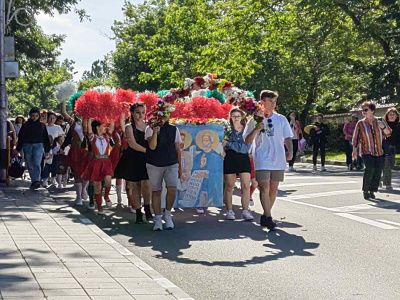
<point>236,163</point>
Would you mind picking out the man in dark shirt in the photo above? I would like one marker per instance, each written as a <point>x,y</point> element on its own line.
<point>34,140</point>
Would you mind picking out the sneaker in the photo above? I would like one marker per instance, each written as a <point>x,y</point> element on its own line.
<point>371,195</point>
<point>147,211</point>
<point>53,181</point>
<point>35,185</point>
<point>168,220</point>
<point>108,203</point>
<point>251,202</point>
<point>101,212</point>
<point>139,217</point>
<point>131,210</point>
<point>200,210</point>
<point>157,224</point>
<point>44,183</point>
<point>314,169</point>
<point>323,169</point>
<point>247,216</point>
<point>78,202</point>
<point>366,195</point>
<point>292,169</point>
<point>270,223</point>
<point>59,186</point>
<point>230,215</point>
<point>91,207</point>
<point>263,220</point>
<point>64,184</point>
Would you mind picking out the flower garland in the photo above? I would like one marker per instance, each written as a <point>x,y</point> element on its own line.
<point>159,112</point>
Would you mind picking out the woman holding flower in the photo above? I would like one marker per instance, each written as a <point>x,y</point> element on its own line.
<point>237,161</point>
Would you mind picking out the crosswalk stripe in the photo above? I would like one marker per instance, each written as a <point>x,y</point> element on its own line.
<point>389,222</point>
<point>365,221</point>
<point>316,183</point>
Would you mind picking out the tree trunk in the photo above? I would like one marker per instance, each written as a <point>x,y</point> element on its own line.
<point>311,96</point>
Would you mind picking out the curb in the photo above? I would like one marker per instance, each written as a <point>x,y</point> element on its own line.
<point>166,284</point>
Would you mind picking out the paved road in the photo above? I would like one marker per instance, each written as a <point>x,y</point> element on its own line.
<point>330,244</point>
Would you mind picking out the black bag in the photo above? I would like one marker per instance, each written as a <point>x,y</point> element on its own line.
<point>16,170</point>
<point>58,166</point>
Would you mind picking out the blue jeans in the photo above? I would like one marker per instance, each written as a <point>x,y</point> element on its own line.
<point>33,158</point>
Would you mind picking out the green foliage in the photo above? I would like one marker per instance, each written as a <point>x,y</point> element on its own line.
<point>321,55</point>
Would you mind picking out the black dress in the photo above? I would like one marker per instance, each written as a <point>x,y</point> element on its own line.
<point>132,165</point>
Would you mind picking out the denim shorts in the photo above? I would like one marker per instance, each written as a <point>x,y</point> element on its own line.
<point>158,174</point>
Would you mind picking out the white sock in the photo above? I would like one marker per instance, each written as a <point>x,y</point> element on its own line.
<point>119,193</point>
<point>85,184</point>
<point>78,187</point>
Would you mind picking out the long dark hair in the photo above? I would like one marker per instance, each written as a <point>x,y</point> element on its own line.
<point>132,110</point>
<point>391,109</point>
<point>295,113</point>
<point>95,124</point>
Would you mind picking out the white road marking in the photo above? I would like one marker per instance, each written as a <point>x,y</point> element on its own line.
<point>353,208</point>
<point>365,221</point>
<point>389,222</point>
<point>316,183</point>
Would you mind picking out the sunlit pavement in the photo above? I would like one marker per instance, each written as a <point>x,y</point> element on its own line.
<point>330,243</point>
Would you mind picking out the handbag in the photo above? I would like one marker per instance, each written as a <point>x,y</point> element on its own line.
<point>59,164</point>
<point>302,145</point>
<point>16,169</point>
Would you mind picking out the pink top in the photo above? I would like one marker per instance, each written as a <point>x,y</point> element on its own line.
<point>348,130</point>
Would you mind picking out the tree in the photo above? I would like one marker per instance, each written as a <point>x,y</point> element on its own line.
<point>100,74</point>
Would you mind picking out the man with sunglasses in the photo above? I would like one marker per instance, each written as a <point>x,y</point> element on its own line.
<point>318,137</point>
<point>268,139</point>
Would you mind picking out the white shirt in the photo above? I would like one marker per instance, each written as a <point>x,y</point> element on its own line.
<point>54,131</point>
<point>268,148</point>
<point>101,144</point>
<point>149,133</point>
<point>78,130</point>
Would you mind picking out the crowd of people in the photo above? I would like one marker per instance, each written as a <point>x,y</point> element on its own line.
<point>141,157</point>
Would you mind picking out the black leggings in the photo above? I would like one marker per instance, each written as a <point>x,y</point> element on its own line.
<point>295,148</point>
<point>316,148</point>
<point>349,152</point>
<point>373,171</point>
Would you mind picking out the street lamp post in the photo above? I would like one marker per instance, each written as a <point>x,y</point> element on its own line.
<point>3,97</point>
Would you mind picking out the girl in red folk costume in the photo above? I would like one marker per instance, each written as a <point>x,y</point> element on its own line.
<point>100,167</point>
<point>76,155</point>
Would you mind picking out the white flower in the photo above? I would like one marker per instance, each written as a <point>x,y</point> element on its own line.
<point>188,83</point>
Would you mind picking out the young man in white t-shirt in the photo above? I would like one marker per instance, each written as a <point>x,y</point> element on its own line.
<point>268,139</point>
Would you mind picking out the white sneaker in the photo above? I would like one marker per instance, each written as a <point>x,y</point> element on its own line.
<point>53,181</point>
<point>291,169</point>
<point>230,215</point>
<point>323,169</point>
<point>91,207</point>
<point>168,220</point>
<point>157,224</point>
<point>247,216</point>
<point>108,203</point>
<point>59,186</point>
<point>44,183</point>
<point>101,212</point>
<point>314,169</point>
<point>200,210</point>
<point>78,202</point>
<point>131,210</point>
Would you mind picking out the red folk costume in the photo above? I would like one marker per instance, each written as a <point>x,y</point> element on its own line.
<point>76,158</point>
<point>100,165</point>
<point>116,151</point>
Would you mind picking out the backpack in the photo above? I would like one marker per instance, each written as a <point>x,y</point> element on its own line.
<point>16,170</point>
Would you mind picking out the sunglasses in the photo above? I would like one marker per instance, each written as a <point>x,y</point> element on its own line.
<point>365,109</point>
<point>270,123</point>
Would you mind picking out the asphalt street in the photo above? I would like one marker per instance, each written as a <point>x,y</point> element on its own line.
<point>330,243</point>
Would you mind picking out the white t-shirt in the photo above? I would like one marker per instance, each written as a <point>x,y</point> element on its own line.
<point>149,133</point>
<point>268,148</point>
<point>54,131</point>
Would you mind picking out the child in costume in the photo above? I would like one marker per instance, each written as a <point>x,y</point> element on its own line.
<point>100,167</point>
<point>58,142</point>
<point>115,156</point>
<point>76,156</point>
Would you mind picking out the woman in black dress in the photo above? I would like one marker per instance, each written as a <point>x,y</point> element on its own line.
<point>389,145</point>
<point>132,165</point>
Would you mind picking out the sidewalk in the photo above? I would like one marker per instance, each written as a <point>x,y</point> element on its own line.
<point>50,251</point>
